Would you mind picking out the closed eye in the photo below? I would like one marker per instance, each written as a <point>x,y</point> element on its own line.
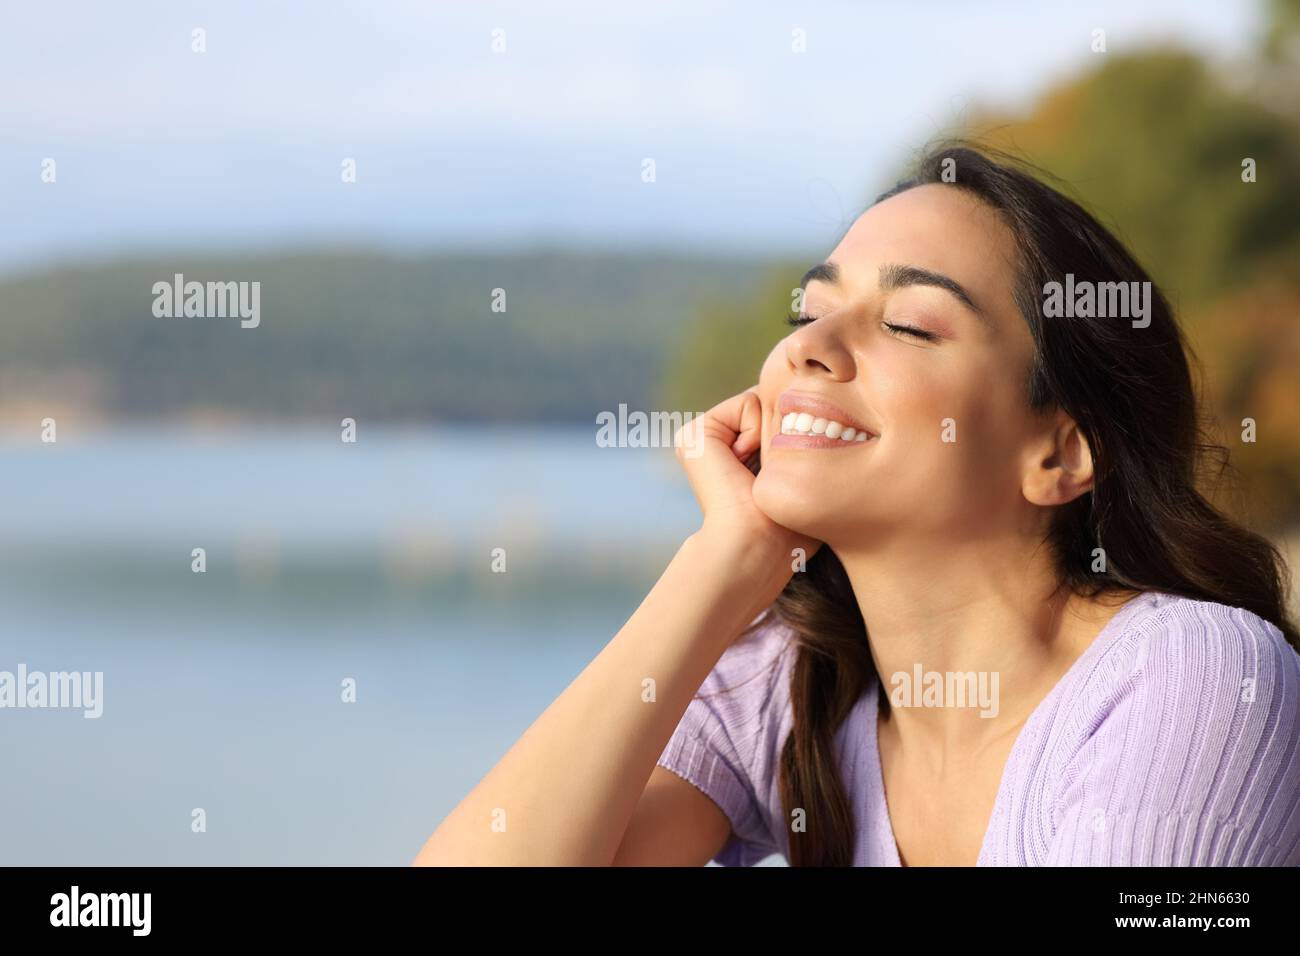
<point>893,329</point>
<point>902,330</point>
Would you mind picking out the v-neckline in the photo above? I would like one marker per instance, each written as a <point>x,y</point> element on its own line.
<point>1104,636</point>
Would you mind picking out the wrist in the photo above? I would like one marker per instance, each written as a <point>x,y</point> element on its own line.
<point>730,583</point>
<point>760,563</point>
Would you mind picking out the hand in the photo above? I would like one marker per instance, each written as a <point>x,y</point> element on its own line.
<point>719,451</point>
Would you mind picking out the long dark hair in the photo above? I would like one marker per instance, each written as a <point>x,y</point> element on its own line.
<point>1130,391</point>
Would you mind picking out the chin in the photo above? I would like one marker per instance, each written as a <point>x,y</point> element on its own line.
<point>793,505</point>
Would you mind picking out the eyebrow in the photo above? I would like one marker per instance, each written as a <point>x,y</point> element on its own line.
<point>894,277</point>
<point>823,272</point>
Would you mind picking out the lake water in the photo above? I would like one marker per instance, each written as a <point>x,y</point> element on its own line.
<point>325,561</point>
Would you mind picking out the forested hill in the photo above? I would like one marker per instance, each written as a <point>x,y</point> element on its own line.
<point>362,334</point>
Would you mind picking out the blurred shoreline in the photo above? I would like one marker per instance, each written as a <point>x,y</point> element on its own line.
<point>410,512</point>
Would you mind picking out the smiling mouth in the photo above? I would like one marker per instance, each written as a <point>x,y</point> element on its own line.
<point>798,423</point>
<point>811,420</point>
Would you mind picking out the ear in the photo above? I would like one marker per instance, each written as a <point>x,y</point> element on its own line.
<point>1058,464</point>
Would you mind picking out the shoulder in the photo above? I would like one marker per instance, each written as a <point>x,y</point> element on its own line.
<point>726,743</point>
<point>1180,740</point>
<point>747,693</point>
<point>1186,654</point>
<point>754,664</point>
<point>742,700</point>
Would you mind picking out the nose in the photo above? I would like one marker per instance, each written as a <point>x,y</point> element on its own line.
<point>819,349</point>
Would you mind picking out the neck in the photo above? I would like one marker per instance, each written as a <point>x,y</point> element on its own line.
<point>985,625</point>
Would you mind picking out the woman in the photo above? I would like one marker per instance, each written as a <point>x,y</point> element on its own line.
<point>971,608</point>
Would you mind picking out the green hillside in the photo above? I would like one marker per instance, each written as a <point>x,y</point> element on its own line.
<point>363,334</point>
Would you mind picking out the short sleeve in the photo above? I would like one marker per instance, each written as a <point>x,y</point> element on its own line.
<point>1193,760</point>
<point>722,744</point>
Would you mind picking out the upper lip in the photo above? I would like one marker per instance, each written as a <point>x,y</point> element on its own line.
<point>795,401</point>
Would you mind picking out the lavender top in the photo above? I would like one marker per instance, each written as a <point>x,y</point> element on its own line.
<point>1171,741</point>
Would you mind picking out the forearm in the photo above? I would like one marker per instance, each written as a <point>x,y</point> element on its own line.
<point>565,791</point>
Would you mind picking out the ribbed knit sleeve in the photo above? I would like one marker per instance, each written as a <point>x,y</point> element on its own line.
<point>722,733</point>
<point>1191,758</point>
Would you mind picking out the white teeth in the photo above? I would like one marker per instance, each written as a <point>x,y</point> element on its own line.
<point>804,423</point>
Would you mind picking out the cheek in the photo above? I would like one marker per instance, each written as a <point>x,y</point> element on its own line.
<point>952,427</point>
<point>774,367</point>
<point>941,398</point>
<point>913,399</point>
<point>773,378</point>
<point>990,412</point>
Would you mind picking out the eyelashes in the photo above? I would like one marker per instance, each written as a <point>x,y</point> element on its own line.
<point>921,334</point>
<point>901,331</point>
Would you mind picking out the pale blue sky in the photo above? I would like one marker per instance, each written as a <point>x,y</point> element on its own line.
<point>758,150</point>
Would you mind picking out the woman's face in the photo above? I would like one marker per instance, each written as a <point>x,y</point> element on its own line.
<point>919,341</point>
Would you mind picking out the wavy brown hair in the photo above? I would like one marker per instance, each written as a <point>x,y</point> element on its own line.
<point>1130,391</point>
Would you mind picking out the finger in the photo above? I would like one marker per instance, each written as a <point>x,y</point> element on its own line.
<point>751,425</point>
<point>728,413</point>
